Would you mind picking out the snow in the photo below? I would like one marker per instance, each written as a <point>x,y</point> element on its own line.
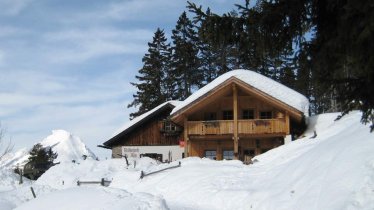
<point>258,81</point>
<point>13,159</point>
<point>141,117</point>
<point>94,198</point>
<point>333,171</point>
<point>68,146</point>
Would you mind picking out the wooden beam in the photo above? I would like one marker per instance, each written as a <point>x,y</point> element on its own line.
<point>219,150</point>
<point>210,137</point>
<point>287,118</point>
<point>185,136</point>
<point>235,127</point>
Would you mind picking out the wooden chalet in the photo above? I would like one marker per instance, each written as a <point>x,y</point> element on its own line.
<point>239,115</point>
<point>150,134</point>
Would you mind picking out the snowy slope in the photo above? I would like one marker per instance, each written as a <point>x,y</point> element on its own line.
<point>333,171</point>
<point>11,160</point>
<point>68,146</point>
<point>258,81</point>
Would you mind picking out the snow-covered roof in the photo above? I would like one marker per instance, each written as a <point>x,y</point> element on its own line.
<point>258,81</point>
<point>144,116</point>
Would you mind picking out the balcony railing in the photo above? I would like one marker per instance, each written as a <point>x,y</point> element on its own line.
<point>221,127</point>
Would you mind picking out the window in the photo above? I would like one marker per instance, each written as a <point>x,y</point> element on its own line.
<point>266,115</point>
<point>228,154</point>
<point>227,115</point>
<point>153,156</point>
<point>211,154</point>
<point>169,126</point>
<point>210,116</point>
<point>248,114</point>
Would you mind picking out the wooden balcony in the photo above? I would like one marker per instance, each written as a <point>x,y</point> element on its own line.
<point>222,127</point>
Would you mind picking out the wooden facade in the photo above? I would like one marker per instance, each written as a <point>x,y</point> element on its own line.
<point>153,130</point>
<point>235,121</point>
<point>150,134</point>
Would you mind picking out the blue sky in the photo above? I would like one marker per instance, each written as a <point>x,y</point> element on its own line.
<point>68,64</point>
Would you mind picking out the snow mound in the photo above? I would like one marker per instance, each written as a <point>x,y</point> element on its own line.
<point>68,146</point>
<point>94,198</point>
<point>258,81</point>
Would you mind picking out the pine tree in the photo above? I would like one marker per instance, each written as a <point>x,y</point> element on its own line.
<point>169,88</point>
<point>40,160</point>
<point>208,56</point>
<point>185,62</point>
<point>218,41</point>
<point>344,53</point>
<point>151,86</point>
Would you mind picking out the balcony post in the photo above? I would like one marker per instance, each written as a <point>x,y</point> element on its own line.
<point>235,107</point>
<point>287,119</point>
<point>185,136</point>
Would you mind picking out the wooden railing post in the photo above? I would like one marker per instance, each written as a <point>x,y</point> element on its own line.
<point>235,106</point>
<point>185,136</point>
<point>287,123</point>
<point>33,192</point>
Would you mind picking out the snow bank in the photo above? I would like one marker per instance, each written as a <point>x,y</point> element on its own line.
<point>258,81</point>
<point>68,146</point>
<point>94,198</point>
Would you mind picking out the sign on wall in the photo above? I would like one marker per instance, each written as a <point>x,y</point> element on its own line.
<point>167,153</point>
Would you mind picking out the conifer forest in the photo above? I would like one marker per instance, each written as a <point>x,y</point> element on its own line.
<point>323,49</point>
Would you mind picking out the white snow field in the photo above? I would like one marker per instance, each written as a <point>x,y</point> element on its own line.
<point>333,171</point>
